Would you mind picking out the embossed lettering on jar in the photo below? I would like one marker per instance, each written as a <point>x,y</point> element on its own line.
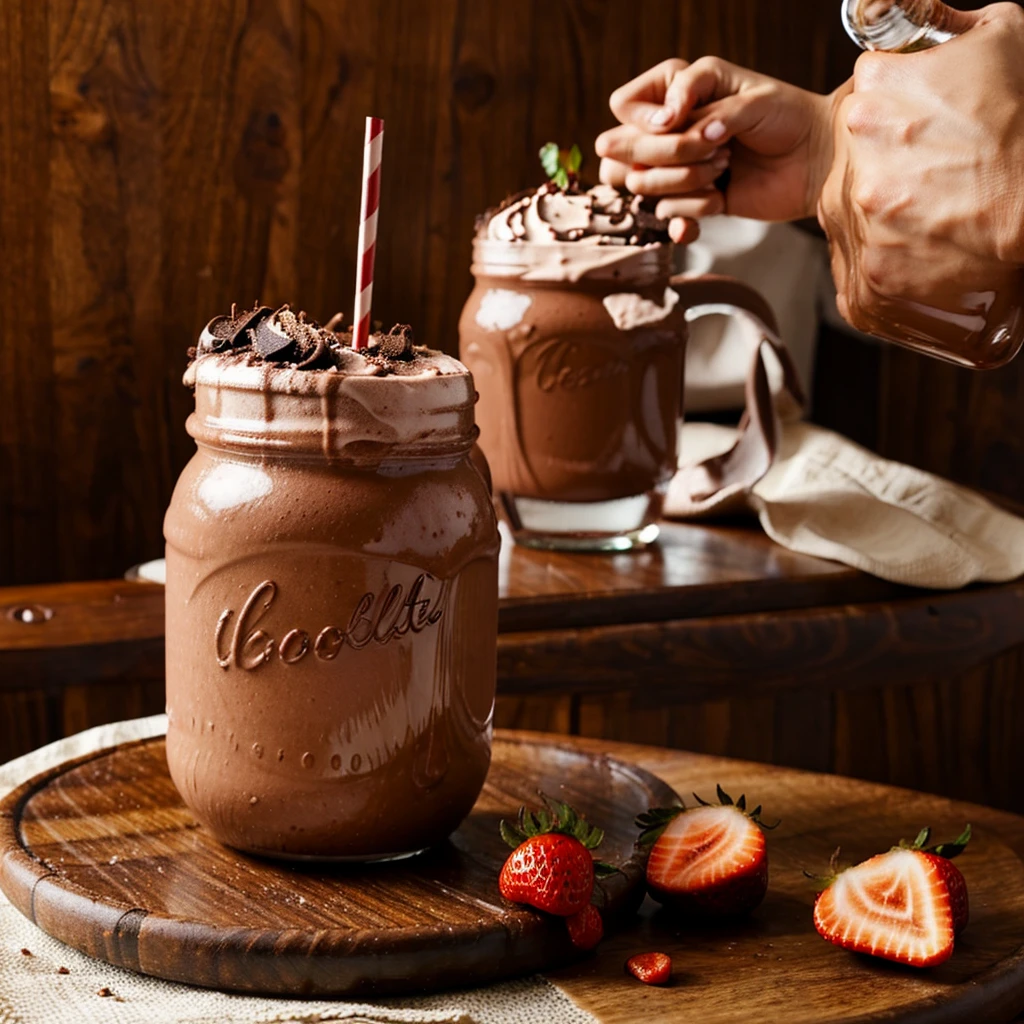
<point>331,609</point>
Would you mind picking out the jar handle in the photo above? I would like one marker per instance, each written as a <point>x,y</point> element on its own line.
<point>710,483</point>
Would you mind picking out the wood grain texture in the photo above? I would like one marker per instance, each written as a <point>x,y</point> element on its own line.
<point>719,658</point>
<point>102,854</point>
<point>771,967</point>
<point>164,159</point>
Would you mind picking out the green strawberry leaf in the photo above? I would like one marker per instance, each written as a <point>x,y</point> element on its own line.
<point>723,798</point>
<point>604,870</point>
<point>654,821</point>
<point>512,835</point>
<point>955,848</point>
<point>575,159</point>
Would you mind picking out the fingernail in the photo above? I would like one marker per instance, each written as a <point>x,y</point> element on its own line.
<point>661,117</point>
<point>714,131</point>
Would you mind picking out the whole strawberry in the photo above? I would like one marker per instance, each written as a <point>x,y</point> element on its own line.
<point>551,866</point>
<point>586,929</point>
<point>907,905</point>
<point>709,861</point>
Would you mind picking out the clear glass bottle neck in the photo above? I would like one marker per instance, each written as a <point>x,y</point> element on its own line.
<point>896,26</point>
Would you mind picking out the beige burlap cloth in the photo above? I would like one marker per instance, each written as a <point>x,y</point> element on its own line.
<point>824,495</point>
<point>33,992</point>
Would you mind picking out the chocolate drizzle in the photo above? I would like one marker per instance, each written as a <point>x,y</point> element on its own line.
<point>601,215</point>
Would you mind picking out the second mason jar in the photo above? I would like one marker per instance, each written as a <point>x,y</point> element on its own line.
<point>580,374</point>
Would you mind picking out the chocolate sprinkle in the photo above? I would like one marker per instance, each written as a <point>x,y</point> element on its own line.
<point>27,952</point>
<point>63,970</point>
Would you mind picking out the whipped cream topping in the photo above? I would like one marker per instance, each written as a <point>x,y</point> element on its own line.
<point>600,216</point>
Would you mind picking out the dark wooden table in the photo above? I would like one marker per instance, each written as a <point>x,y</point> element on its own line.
<point>715,640</point>
<point>80,820</point>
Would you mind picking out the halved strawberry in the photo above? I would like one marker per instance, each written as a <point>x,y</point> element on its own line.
<point>650,968</point>
<point>710,861</point>
<point>551,866</point>
<point>898,905</point>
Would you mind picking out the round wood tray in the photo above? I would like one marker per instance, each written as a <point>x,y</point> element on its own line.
<point>102,854</point>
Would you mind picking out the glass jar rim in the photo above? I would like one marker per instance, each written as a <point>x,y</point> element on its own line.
<point>571,262</point>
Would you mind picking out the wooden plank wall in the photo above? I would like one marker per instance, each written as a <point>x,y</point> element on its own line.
<point>161,159</point>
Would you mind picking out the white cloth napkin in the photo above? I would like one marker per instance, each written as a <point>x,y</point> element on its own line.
<point>788,267</point>
<point>32,991</point>
<point>826,496</point>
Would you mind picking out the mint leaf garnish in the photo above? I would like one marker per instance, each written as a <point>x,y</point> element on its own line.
<point>549,159</point>
<point>560,165</point>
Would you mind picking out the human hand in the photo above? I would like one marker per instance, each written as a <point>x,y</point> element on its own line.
<point>684,124</point>
<point>925,201</point>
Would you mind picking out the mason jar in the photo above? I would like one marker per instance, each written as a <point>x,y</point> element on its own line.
<point>331,610</point>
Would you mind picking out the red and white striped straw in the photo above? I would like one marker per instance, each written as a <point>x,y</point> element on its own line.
<point>367,232</point>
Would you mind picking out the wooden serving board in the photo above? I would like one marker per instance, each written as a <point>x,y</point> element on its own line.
<point>102,854</point>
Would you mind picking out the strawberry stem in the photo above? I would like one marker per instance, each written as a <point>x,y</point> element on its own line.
<point>554,816</point>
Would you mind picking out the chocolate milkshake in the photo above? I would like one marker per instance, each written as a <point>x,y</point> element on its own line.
<point>331,593</point>
<point>575,340</point>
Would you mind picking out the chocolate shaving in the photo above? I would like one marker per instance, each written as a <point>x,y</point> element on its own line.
<point>224,332</point>
<point>270,337</point>
<point>63,970</point>
<point>27,952</point>
<point>318,351</point>
<point>282,337</point>
<point>397,343</point>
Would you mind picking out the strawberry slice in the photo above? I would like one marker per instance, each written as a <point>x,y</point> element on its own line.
<point>894,906</point>
<point>650,968</point>
<point>710,861</point>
